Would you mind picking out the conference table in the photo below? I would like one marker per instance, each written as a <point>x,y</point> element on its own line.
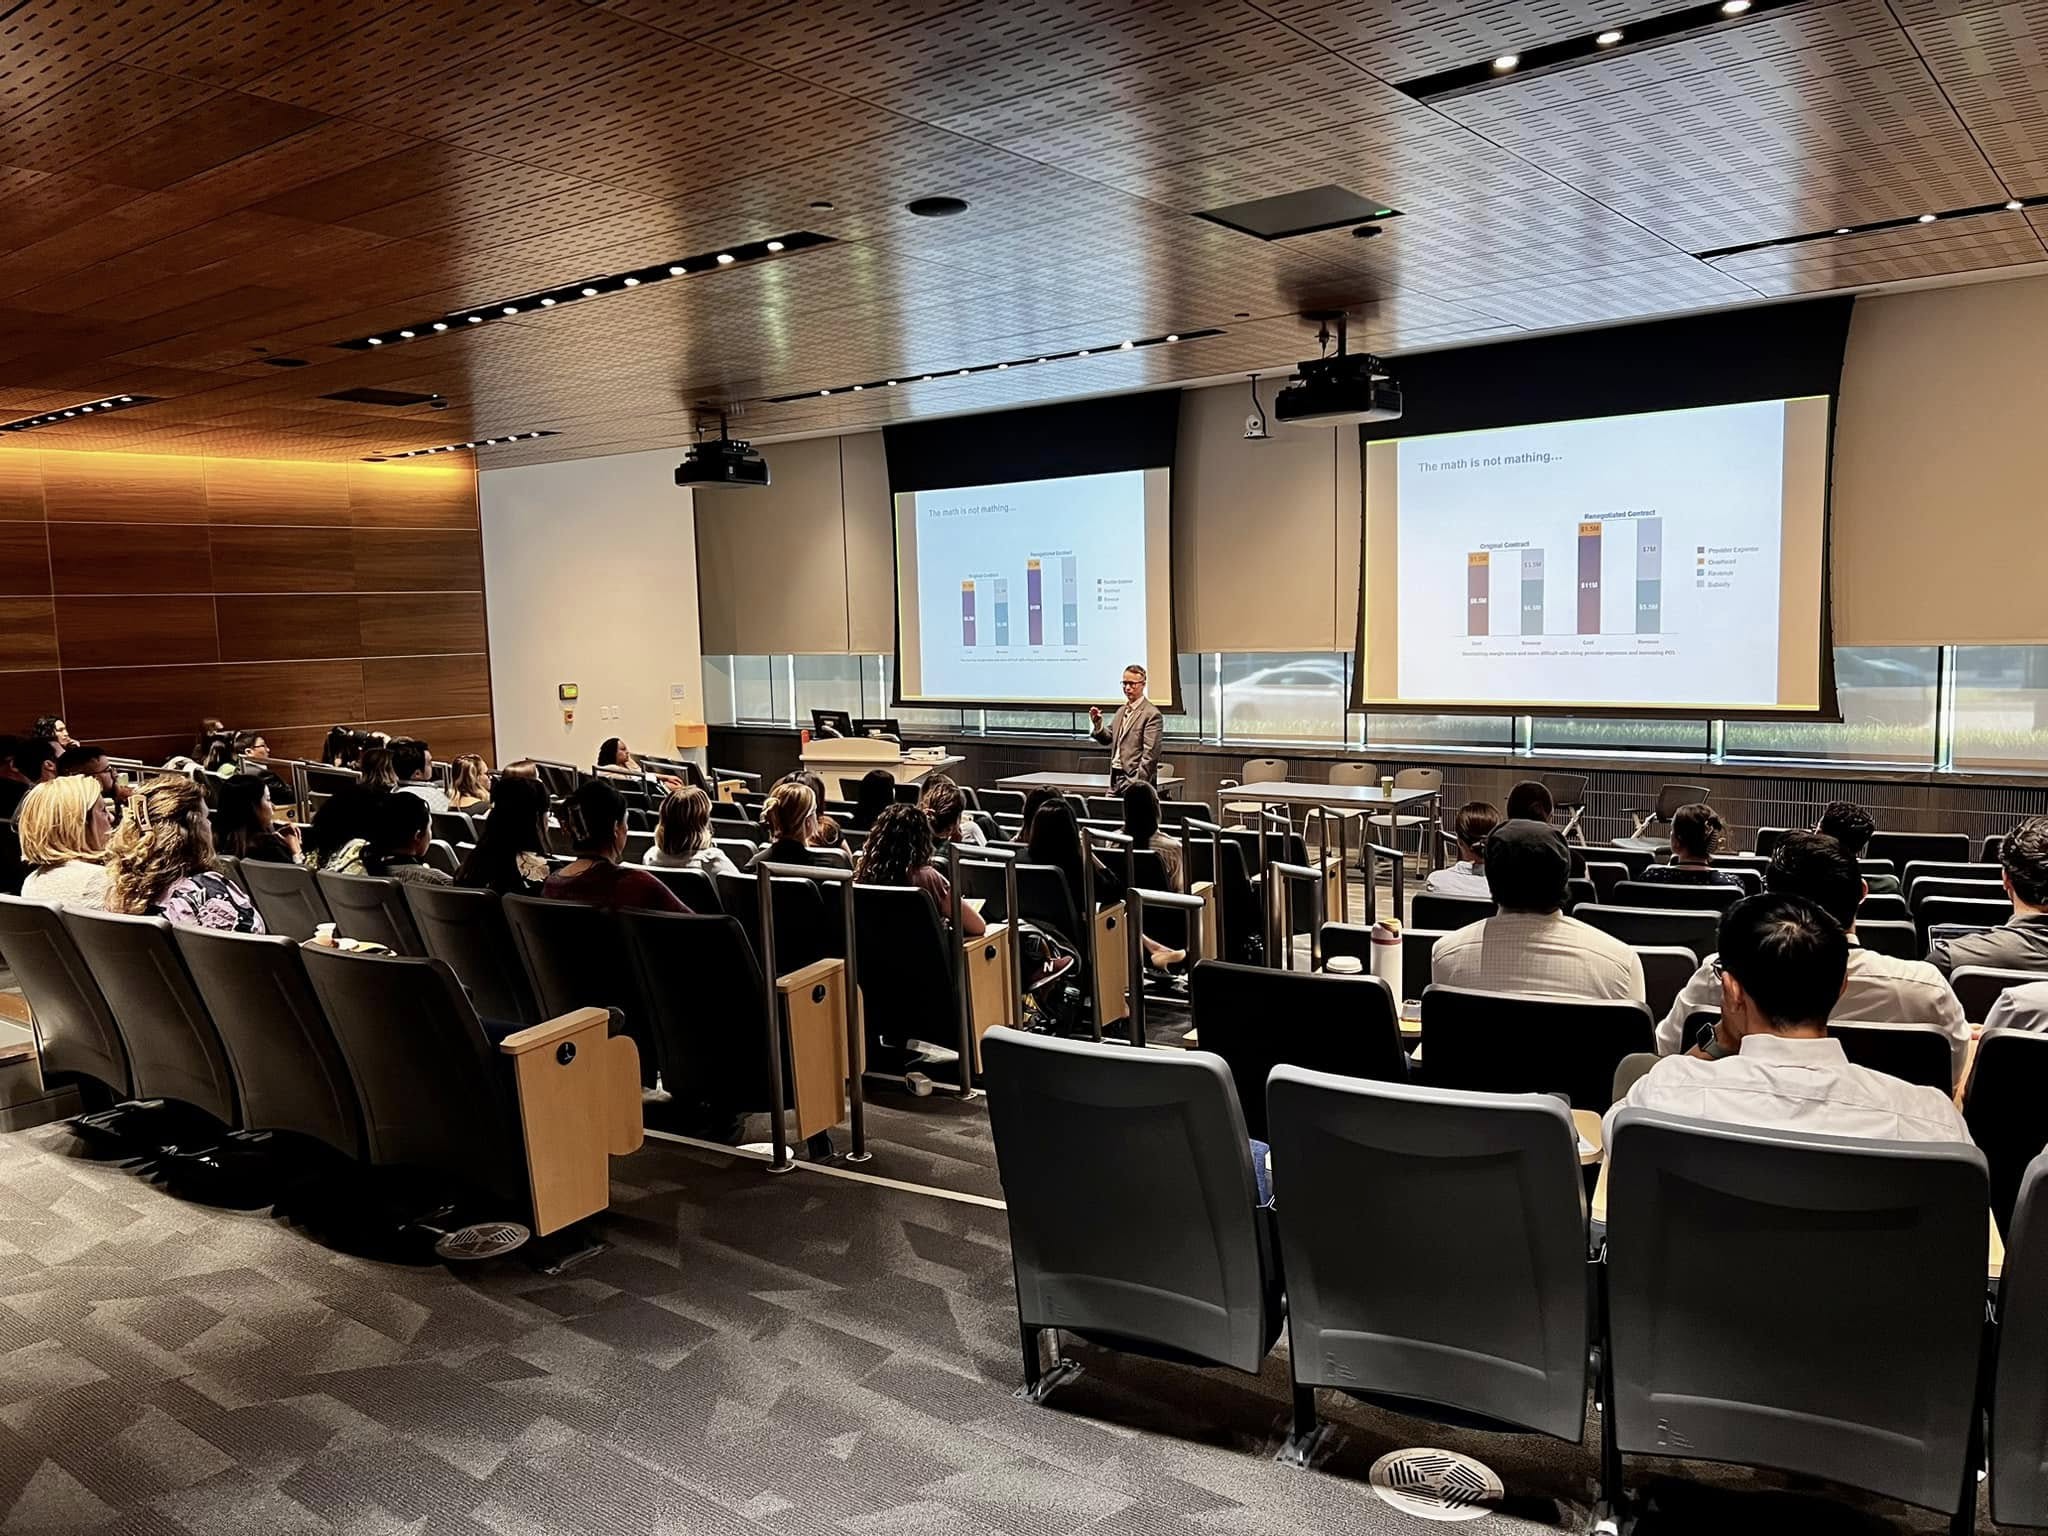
<point>1096,784</point>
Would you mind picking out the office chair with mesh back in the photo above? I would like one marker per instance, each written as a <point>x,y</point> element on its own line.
<point>1568,793</point>
<point>1669,799</point>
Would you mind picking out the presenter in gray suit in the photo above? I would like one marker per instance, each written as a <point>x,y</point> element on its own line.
<point>1132,734</point>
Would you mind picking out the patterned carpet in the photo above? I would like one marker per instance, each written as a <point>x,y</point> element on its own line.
<point>752,1356</point>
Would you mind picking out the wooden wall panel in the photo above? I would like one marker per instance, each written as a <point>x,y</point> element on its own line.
<point>277,491</point>
<point>421,623</point>
<point>24,558</point>
<point>28,633</point>
<point>281,560</point>
<point>123,488</point>
<point>284,628</point>
<point>417,685</point>
<point>118,631</point>
<point>141,593</point>
<point>99,559</point>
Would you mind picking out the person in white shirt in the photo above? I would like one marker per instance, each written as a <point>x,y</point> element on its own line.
<point>1475,821</point>
<point>682,835</point>
<point>64,826</point>
<point>1530,946</point>
<point>2021,1007</point>
<point>1770,1062</point>
<point>414,765</point>
<point>1880,989</point>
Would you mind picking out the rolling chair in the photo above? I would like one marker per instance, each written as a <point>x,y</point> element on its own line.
<point>1669,799</point>
<point>1568,793</point>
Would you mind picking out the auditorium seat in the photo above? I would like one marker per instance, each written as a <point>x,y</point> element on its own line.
<point>1924,885</point>
<point>1883,909</point>
<point>575,957</point>
<point>1889,1238</point>
<point>1895,938</point>
<point>1676,895</point>
<point>453,827</point>
<point>371,909</point>
<point>1666,970</point>
<point>1498,1042</point>
<point>174,1049</point>
<point>1257,1018</point>
<point>1904,848</point>
<point>1001,802</point>
<point>76,1035</point>
<point>1579,891</point>
<point>288,1071</point>
<point>911,990</point>
<point>231,866</point>
<point>1393,1204</point>
<point>1963,913</point>
<point>1449,913</point>
<point>287,896</point>
<point>2005,1104</point>
<point>467,930</point>
<point>1993,849</point>
<point>1237,897</point>
<point>1767,840</point>
<point>805,930</point>
<point>2019,1396</point>
<point>1606,874</point>
<point>1355,939</point>
<point>1656,926</point>
<point>1914,1053</point>
<point>1132,1205</point>
<point>1978,987</point>
<point>692,887</point>
<point>1568,798</point>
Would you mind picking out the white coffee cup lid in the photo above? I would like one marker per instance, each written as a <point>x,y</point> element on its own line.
<point>1343,965</point>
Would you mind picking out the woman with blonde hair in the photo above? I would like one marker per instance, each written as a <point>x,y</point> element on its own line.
<point>160,863</point>
<point>682,835</point>
<point>469,782</point>
<point>791,816</point>
<point>63,825</point>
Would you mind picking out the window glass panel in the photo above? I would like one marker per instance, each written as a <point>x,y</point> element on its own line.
<point>1274,697</point>
<point>910,717</point>
<point>718,708</point>
<point>1888,705</point>
<point>1062,720</point>
<point>753,697</point>
<point>1495,731</point>
<point>1191,724</point>
<point>2001,705</point>
<point>874,687</point>
<point>1590,733</point>
<point>827,682</point>
<point>779,699</point>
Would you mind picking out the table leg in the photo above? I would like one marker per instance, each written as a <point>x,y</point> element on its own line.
<point>1436,823</point>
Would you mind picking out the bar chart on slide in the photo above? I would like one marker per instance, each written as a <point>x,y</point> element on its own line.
<point>1506,590</point>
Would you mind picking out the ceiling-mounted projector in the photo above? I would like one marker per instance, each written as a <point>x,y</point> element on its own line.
<point>1330,391</point>
<point>725,463</point>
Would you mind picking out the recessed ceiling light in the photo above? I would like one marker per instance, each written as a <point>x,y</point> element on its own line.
<point>858,388</point>
<point>406,334</point>
<point>963,373</point>
<point>1927,218</point>
<point>1242,314</point>
<point>892,383</point>
<point>1123,346</point>
<point>774,245</point>
<point>1608,38</point>
<point>937,207</point>
<point>1507,61</point>
<point>547,303</point>
<point>1173,338</point>
<point>679,271</point>
<point>926,379</point>
<point>376,341</point>
<point>2014,206</point>
<point>1734,7</point>
<point>726,258</point>
<point>632,282</point>
<point>509,309</point>
<point>1001,367</point>
<point>476,319</point>
<point>824,391</point>
<point>86,409</point>
<point>820,203</point>
<point>440,325</point>
<point>590,293</point>
<point>1843,230</point>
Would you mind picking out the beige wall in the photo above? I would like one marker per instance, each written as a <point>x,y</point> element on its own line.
<point>1941,519</point>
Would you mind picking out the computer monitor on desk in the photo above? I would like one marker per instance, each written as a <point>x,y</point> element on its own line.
<point>884,727</point>
<point>831,722</point>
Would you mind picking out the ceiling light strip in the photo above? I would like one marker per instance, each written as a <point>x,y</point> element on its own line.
<point>1106,350</point>
<point>1909,221</point>
<point>591,288</point>
<point>79,412</point>
<point>1513,64</point>
<point>481,442</point>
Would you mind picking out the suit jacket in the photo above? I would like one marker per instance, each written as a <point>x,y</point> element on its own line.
<point>1132,736</point>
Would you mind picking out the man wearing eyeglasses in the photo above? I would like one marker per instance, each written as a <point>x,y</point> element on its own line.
<point>1132,734</point>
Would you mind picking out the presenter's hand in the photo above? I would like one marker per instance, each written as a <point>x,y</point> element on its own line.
<point>1094,715</point>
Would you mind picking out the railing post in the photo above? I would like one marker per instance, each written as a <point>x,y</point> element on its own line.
<point>778,1132</point>
<point>957,958</point>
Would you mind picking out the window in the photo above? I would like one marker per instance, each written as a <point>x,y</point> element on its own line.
<point>1492,731</point>
<point>1193,723</point>
<point>827,682</point>
<point>2001,706</point>
<point>1283,698</point>
<point>1888,708</point>
<point>741,687</point>
<point>1577,733</point>
<point>1063,721</point>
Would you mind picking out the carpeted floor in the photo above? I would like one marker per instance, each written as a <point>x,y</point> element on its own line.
<point>752,1355</point>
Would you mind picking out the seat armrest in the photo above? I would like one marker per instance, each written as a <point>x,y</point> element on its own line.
<point>814,1008</point>
<point>578,1090</point>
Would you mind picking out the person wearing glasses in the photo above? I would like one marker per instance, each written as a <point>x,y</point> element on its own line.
<point>1131,734</point>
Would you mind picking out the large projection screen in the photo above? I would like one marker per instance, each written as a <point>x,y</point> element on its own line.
<point>1655,563</point>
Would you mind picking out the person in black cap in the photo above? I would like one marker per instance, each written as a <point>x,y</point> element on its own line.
<point>1530,946</point>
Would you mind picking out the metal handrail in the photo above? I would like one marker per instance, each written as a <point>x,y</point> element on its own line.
<point>1281,894</point>
<point>1399,860</point>
<point>1088,916</point>
<point>1137,900</point>
<point>765,877</point>
<point>1214,833</point>
<point>1007,860</point>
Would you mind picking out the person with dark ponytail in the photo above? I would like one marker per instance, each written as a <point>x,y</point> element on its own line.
<point>1695,834</point>
<point>596,818</point>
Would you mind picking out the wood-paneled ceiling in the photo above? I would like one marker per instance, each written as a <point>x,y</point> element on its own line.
<point>190,186</point>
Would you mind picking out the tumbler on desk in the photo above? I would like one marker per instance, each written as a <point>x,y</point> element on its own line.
<point>1386,784</point>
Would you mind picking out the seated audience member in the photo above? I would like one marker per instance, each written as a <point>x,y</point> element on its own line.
<point>25,761</point>
<point>378,769</point>
<point>251,745</point>
<point>1879,989</point>
<point>343,747</point>
<point>2021,1007</point>
<point>160,863</point>
<point>828,834</point>
<point>942,802</point>
<point>91,763</point>
<point>899,852</point>
<point>1141,825</point>
<point>682,835</point>
<point>616,758</point>
<point>1530,946</point>
<point>1770,1062</point>
<point>1695,835</point>
<point>1850,825</point>
<point>510,856</point>
<point>210,732</point>
<point>401,828</point>
<point>876,794</point>
<point>51,729</point>
<point>596,816</point>
<point>64,827</point>
<point>1033,801</point>
<point>414,766</point>
<point>246,824</point>
<point>340,830</point>
<point>469,783</point>
<point>1530,801</point>
<point>523,768</point>
<point>1056,840</point>
<point>791,816</point>
<point>2021,943</point>
<point>1474,824</point>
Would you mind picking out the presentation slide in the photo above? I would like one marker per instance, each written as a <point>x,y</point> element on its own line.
<point>1661,562</point>
<point>1036,592</point>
